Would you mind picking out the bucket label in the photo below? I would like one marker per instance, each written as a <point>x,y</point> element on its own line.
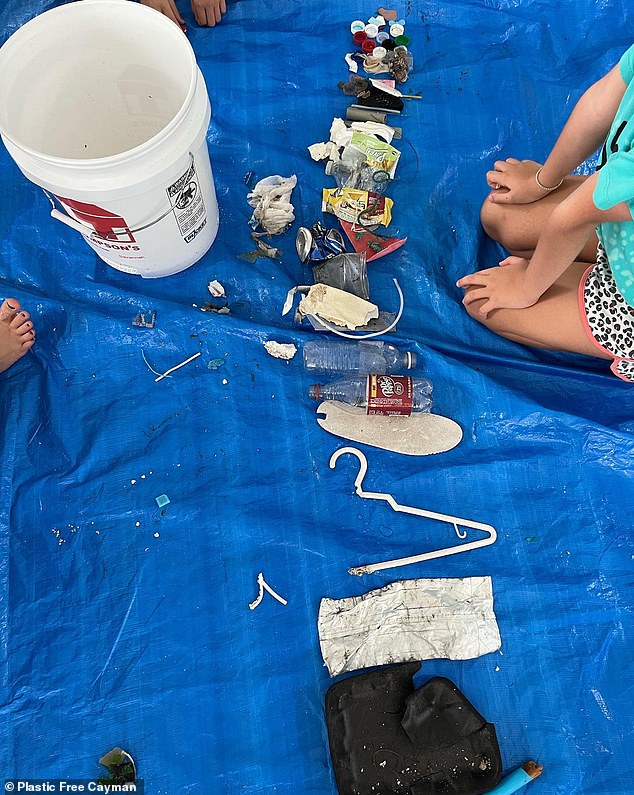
<point>390,394</point>
<point>187,201</point>
<point>105,225</point>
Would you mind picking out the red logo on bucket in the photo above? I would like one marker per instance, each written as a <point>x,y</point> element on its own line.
<point>107,225</point>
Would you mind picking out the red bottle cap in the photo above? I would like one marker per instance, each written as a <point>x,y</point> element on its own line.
<point>368,45</point>
<point>359,37</point>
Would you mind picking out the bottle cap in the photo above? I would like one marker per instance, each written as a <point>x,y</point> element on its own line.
<point>359,37</point>
<point>379,53</point>
<point>368,45</point>
<point>396,30</point>
<point>357,25</point>
<point>410,362</point>
<point>378,20</point>
<point>388,44</point>
<point>402,41</point>
<point>382,36</point>
<point>401,50</point>
<point>372,31</point>
<point>314,391</point>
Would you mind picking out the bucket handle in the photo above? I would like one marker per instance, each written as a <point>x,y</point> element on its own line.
<point>88,231</point>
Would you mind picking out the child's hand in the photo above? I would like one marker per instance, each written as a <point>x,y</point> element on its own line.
<point>167,7</point>
<point>208,12</point>
<point>504,287</point>
<point>513,182</point>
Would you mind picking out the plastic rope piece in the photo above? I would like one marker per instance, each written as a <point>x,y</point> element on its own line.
<point>440,517</point>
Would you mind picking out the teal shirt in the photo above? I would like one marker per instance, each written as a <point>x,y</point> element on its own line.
<point>615,184</point>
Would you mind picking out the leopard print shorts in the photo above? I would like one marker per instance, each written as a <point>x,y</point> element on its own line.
<point>608,318</point>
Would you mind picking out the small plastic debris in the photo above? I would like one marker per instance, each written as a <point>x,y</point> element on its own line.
<point>145,319</point>
<point>208,306</point>
<point>216,289</point>
<point>280,350</point>
<point>162,500</point>
<point>248,178</point>
<point>264,586</point>
<point>215,364</point>
<point>374,246</point>
<point>388,14</point>
<point>262,250</point>
<point>121,767</point>
<point>177,367</point>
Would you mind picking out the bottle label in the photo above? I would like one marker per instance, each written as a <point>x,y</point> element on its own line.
<point>390,395</point>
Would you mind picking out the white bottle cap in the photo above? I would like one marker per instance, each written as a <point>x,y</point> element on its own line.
<point>396,30</point>
<point>379,53</point>
<point>356,26</point>
<point>371,31</point>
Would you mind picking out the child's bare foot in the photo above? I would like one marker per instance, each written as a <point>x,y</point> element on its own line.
<point>17,335</point>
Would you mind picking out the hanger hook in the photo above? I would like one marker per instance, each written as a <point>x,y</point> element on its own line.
<point>363,464</point>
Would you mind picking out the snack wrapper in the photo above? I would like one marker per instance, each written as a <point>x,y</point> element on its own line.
<point>348,203</point>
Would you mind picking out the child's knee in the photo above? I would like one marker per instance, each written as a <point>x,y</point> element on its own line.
<point>491,218</point>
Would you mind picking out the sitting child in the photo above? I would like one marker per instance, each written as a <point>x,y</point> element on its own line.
<point>545,294</point>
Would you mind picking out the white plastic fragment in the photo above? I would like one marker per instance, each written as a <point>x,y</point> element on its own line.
<point>280,350</point>
<point>216,289</point>
<point>383,131</point>
<point>324,151</point>
<point>264,586</point>
<point>352,64</point>
<point>177,367</point>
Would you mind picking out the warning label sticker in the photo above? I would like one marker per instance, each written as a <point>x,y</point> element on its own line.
<point>189,208</point>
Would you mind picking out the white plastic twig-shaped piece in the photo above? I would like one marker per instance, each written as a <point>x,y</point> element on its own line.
<point>177,367</point>
<point>264,586</point>
<point>455,521</point>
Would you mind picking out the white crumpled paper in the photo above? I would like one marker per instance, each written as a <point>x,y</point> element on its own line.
<point>409,620</point>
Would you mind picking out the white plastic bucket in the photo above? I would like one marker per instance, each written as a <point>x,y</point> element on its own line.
<point>102,105</point>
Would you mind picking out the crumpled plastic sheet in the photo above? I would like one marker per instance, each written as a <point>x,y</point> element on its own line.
<point>409,620</point>
<point>125,624</point>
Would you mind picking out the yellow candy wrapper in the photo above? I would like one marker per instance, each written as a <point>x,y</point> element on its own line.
<point>348,203</point>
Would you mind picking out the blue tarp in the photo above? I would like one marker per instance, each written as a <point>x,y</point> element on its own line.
<point>125,624</point>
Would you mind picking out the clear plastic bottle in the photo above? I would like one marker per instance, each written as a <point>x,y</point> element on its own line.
<point>379,394</point>
<point>362,357</point>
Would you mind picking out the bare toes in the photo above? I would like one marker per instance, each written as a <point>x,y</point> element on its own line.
<point>24,328</point>
<point>8,309</point>
<point>19,319</point>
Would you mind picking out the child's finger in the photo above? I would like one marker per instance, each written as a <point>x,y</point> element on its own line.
<point>501,196</point>
<point>476,294</point>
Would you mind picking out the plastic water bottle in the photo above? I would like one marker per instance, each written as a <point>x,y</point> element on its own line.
<point>378,394</point>
<point>362,357</point>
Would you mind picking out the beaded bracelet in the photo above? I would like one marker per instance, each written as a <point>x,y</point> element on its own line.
<point>545,187</point>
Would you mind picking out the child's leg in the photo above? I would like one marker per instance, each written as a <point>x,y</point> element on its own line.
<point>554,322</point>
<point>517,227</point>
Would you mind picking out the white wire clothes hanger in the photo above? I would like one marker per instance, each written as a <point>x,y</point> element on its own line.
<point>455,521</point>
